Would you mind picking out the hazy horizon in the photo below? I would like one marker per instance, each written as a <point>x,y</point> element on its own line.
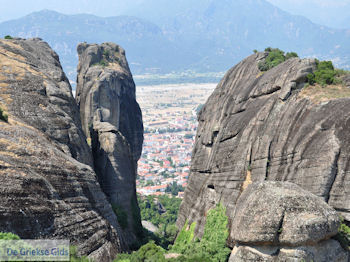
<point>325,12</point>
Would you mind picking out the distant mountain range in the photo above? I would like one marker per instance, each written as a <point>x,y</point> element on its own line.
<point>187,36</point>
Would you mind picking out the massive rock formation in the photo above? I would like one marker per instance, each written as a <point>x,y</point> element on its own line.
<point>112,119</point>
<point>264,126</point>
<point>48,188</point>
<point>279,221</point>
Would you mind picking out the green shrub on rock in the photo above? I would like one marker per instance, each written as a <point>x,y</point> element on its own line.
<point>274,58</point>
<point>8,236</point>
<point>325,74</point>
<point>147,253</point>
<point>3,115</point>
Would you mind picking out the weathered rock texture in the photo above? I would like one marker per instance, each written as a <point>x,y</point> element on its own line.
<point>48,187</point>
<point>257,127</point>
<point>279,221</point>
<point>112,119</point>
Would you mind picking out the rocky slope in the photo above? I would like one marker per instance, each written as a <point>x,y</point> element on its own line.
<point>279,221</point>
<point>112,119</point>
<point>257,127</point>
<point>48,187</point>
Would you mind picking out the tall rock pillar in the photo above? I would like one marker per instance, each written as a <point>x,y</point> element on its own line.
<point>112,121</point>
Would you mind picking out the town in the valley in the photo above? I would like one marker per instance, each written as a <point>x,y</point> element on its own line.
<point>170,123</point>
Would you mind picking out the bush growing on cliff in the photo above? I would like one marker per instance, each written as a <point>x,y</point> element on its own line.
<point>343,236</point>
<point>325,74</point>
<point>149,252</point>
<point>8,236</point>
<point>212,246</point>
<point>8,37</point>
<point>274,58</point>
<point>3,115</point>
<point>74,256</point>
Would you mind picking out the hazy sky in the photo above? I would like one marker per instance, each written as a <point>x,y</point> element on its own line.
<point>335,13</point>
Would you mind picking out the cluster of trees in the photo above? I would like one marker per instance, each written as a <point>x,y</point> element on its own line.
<point>212,246</point>
<point>162,212</point>
<point>174,188</point>
<point>326,74</point>
<point>274,58</point>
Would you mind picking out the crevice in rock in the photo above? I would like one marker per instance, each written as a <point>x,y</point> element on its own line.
<point>239,111</point>
<point>268,162</point>
<point>279,230</point>
<point>269,92</point>
<point>333,175</point>
<point>230,137</point>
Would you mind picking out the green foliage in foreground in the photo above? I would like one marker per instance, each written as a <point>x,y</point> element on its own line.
<point>8,236</point>
<point>326,74</point>
<point>150,211</point>
<point>74,256</point>
<point>3,115</point>
<point>8,37</point>
<point>149,252</point>
<point>343,236</point>
<point>274,58</point>
<point>211,248</point>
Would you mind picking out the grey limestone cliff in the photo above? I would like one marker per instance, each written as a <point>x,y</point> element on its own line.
<point>48,188</point>
<point>112,119</point>
<point>279,221</point>
<point>268,126</point>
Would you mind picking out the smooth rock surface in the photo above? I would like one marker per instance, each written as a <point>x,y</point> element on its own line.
<point>279,221</point>
<point>325,251</point>
<point>112,119</point>
<point>48,188</point>
<point>282,213</point>
<point>257,126</point>
<point>35,89</point>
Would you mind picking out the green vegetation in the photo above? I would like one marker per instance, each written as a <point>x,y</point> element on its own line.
<point>174,189</point>
<point>326,74</point>
<point>185,239</point>
<point>8,236</point>
<point>74,256</point>
<point>343,235</point>
<point>149,252</point>
<point>106,54</point>
<point>121,214</point>
<point>162,212</point>
<point>274,58</point>
<point>8,37</point>
<point>3,115</point>
<point>103,63</point>
<point>212,246</point>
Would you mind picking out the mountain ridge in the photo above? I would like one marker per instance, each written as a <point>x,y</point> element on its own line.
<point>206,38</point>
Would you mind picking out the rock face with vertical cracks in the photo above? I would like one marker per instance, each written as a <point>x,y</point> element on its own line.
<point>48,188</point>
<point>265,126</point>
<point>279,221</point>
<point>112,119</point>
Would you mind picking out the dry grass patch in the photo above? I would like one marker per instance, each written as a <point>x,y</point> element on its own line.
<point>318,94</point>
